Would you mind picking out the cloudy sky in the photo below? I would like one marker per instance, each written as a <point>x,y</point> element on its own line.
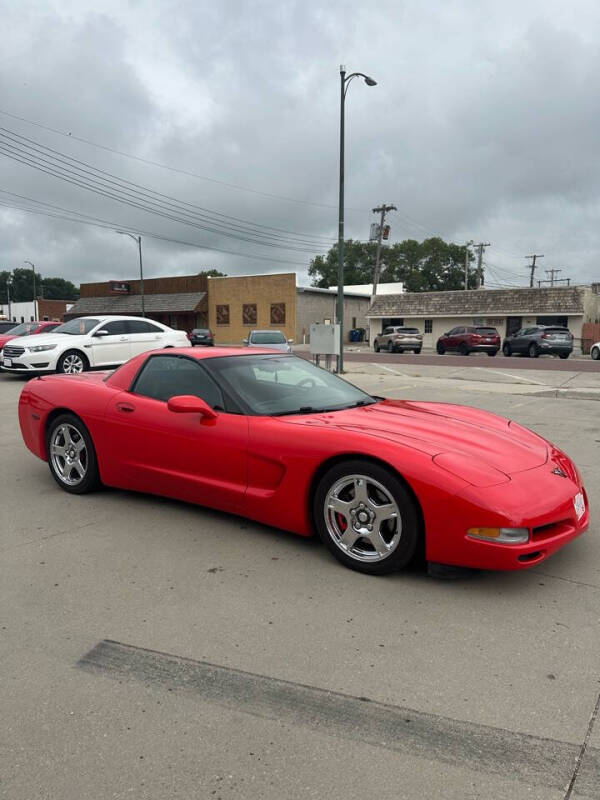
<point>483,125</point>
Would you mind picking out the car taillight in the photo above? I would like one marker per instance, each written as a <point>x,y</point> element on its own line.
<point>545,336</point>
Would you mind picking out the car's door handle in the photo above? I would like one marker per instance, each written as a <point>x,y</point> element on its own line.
<point>124,339</point>
<point>127,408</point>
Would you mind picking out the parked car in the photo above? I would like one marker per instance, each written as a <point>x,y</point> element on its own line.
<point>470,339</point>
<point>202,336</point>
<point>595,351</point>
<point>295,447</point>
<point>6,325</point>
<point>397,339</point>
<point>26,329</point>
<point>538,340</point>
<point>275,340</point>
<point>88,342</point>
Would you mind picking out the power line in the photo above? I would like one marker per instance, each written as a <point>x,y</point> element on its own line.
<point>24,147</point>
<point>98,222</point>
<point>133,198</point>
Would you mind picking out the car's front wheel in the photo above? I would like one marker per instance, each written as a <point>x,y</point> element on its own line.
<point>390,347</point>
<point>72,363</point>
<point>71,455</point>
<point>376,347</point>
<point>533,350</point>
<point>595,353</point>
<point>366,517</point>
<point>506,350</point>
<point>440,349</point>
<point>563,355</point>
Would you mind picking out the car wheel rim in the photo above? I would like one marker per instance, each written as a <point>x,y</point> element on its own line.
<point>69,455</point>
<point>362,518</point>
<point>72,364</point>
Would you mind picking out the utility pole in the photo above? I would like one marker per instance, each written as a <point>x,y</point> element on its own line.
<point>479,273</point>
<point>468,244</point>
<point>382,209</point>
<point>534,257</point>
<point>552,273</point>
<point>8,282</point>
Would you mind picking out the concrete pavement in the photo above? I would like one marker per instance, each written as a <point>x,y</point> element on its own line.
<point>250,664</point>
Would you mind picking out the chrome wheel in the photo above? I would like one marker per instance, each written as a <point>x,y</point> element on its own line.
<point>72,364</point>
<point>362,518</point>
<point>69,455</point>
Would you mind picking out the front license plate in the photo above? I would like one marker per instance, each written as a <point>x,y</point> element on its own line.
<point>7,362</point>
<point>579,505</point>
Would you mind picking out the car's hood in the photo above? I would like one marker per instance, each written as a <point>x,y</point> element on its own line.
<point>44,338</point>
<point>437,428</point>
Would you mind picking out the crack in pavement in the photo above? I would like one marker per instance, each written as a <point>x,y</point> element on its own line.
<point>533,760</point>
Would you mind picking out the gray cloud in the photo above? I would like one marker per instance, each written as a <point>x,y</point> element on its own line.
<point>483,125</point>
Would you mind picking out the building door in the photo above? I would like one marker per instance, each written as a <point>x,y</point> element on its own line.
<point>513,324</point>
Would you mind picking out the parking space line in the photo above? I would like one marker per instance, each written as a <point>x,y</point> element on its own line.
<point>510,375</point>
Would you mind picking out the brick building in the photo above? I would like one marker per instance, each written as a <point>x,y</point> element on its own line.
<point>508,310</point>
<point>178,301</point>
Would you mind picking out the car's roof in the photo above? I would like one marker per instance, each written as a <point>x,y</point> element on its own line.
<point>103,317</point>
<point>266,330</point>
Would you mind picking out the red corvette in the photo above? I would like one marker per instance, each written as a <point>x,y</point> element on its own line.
<point>274,438</point>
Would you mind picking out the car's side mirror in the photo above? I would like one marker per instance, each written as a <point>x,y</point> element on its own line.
<point>102,333</point>
<point>245,341</point>
<point>190,404</point>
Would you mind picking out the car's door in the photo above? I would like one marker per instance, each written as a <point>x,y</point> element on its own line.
<point>523,340</point>
<point>112,347</point>
<point>186,456</point>
<point>451,341</point>
<point>144,335</point>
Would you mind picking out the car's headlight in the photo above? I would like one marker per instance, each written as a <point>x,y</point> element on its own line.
<point>41,347</point>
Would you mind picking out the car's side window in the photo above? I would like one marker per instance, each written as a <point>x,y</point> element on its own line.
<point>453,332</point>
<point>163,377</point>
<point>386,331</point>
<point>142,326</point>
<point>115,328</point>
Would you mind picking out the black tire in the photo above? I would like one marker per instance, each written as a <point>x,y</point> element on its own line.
<point>440,349</point>
<point>533,350</point>
<point>58,463</point>
<point>407,541</point>
<point>417,351</point>
<point>68,361</point>
<point>506,351</point>
<point>595,354</point>
<point>564,355</point>
<point>463,349</point>
<point>390,347</point>
<point>376,347</point>
<point>492,353</point>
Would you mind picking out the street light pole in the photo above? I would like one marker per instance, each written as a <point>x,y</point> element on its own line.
<point>35,313</point>
<point>138,240</point>
<point>8,282</point>
<point>344,82</point>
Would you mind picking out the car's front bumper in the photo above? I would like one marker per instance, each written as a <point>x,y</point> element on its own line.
<point>537,499</point>
<point>28,362</point>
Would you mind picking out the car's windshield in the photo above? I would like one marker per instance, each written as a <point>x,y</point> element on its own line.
<point>200,331</point>
<point>25,329</point>
<point>268,337</point>
<point>274,385</point>
<point>77,327</point>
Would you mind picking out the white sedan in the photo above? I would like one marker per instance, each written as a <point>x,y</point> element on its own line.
<point>88,342</point>
<point>595,351</point>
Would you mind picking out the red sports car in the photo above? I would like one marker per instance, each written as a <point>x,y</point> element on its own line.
<point>272,437</point>
<point>26,329</point>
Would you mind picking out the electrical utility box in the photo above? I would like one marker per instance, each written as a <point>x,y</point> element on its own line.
<point>324,339</point>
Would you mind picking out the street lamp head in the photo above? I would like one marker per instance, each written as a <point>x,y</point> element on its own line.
<point>370,81</point>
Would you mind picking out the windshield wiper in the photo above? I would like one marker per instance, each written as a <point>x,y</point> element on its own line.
<point>301,410</point>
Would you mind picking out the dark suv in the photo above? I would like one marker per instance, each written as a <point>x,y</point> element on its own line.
<point>201,336</point>
<point>539,339</point>
<point>470,339</point>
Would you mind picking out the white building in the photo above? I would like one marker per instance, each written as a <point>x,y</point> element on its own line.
<point>366,289</point>
<point>19,312</point>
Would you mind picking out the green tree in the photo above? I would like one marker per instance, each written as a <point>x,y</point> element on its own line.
<point>213,273</point>
<point>428,266</point>
<point>60,289</point>
<point>21,289</point>
<point>4,276</point>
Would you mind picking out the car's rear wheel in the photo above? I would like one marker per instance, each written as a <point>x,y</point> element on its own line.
<point>533,350</point>
<point>72,363</point>
<point>366,517</point>
<point>492,353</point>
<point>506,350</point>
<point>417,351</point>
<point>595,353</point>
<point>71,455</point>
<point>440,349</point>
<point>563,355</point>
<point>463,349</point>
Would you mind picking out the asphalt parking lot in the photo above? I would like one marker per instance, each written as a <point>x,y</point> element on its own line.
<point>156,650</point>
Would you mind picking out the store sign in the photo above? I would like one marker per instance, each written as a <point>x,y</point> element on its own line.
<point>117,287</point>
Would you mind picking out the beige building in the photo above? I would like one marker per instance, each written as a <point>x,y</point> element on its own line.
<point>508,310</point>
<point>238,304</point>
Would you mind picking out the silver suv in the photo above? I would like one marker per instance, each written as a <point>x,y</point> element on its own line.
<point>538,340</point>
<point>397,339</point>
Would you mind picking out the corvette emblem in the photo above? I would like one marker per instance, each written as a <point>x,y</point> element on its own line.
<point>558,471</point>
